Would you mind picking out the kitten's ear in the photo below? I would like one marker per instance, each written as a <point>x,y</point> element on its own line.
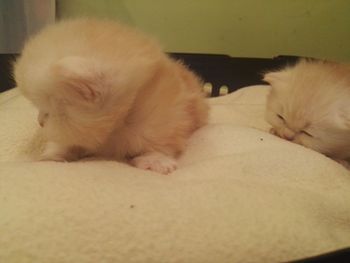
<point>276,77</point>
<point>80,77</point>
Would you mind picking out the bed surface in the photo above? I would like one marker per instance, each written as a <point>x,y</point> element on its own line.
<point>239,195</point>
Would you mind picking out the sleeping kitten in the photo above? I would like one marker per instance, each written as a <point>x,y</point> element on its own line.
<point>105,90</point>
<point>309,104</point>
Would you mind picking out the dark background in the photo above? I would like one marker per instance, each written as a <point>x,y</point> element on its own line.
<point>218,70</point>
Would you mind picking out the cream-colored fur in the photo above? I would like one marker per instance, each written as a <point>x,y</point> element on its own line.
<point>106,90</point>
<point>309,104</point>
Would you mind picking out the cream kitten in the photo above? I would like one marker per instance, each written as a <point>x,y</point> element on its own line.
<point>309,104</point>
<point>106,90</point>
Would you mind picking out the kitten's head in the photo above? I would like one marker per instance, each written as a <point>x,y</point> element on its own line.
<point>309,104</point>
<point>75,99</point>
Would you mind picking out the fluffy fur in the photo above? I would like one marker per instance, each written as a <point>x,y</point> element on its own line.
<point>106,90</point>
<point>309,104</point>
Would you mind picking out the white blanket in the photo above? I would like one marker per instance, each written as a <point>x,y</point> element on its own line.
<point>239,195</point>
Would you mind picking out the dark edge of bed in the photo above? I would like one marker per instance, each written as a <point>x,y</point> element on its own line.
<point>219,70</point>
<point>337,256</point>
<point>6,80</point>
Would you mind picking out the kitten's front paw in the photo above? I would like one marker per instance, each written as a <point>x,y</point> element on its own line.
<point>56,158</point>
<point>155,161</point>
<point>53,152</point>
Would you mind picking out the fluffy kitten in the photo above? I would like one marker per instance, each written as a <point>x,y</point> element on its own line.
<point>309,104</point>
<point>106,90</point>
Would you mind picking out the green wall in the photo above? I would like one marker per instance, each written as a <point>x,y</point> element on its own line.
<point>245,28</point>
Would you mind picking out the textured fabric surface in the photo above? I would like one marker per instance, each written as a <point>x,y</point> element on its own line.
<point>239,195</point>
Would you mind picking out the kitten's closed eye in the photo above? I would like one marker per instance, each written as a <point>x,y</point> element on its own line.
<point>306,133</point>
<point>280,117</point>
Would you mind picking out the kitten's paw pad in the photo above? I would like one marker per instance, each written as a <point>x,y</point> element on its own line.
<point>156,162</point>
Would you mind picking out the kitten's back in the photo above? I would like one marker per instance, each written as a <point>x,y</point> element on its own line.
<point>119,48</point>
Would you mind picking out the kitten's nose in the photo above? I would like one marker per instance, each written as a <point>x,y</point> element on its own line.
<point>289,137</point>
<point>287,134</point>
